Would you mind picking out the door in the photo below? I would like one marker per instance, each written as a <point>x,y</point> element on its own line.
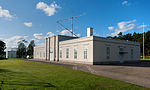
<point>121,58</point>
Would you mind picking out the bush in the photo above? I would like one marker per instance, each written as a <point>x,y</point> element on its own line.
<point>2,58</point>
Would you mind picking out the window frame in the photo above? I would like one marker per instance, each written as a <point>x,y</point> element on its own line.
<point>67,52</point>
<point>85,51</point>
<point>75,52</point>
<point>107,53</point>
<point>60,53</point>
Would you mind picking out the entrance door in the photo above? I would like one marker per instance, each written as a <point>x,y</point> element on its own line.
<point>121,58</point>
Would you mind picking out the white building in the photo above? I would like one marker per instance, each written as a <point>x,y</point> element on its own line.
<point>89,50</point>
<point>11,53</point>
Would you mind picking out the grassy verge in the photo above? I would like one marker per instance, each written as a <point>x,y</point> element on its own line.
<point>146,58</point>
<point>28,75</point>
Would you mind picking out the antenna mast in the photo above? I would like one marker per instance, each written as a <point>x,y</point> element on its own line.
<point>143,42</point>
<point>72,18</point>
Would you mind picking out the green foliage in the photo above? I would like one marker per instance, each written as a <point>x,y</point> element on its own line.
<point>30,49</point>
<point>21,51</point>
<point>2,58</point>
<point>2,47</point>
<point>137,37</point>
<point>28,75</point>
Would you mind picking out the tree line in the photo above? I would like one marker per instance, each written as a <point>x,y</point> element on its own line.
<point>22,50</point>
<point>136,37</point>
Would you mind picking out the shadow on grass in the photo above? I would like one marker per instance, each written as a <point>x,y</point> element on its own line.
<point>4,59</point>
<point>42,84</point>
<point>4,70</point>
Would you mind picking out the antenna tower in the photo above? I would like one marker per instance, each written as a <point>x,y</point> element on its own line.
<point>72,24</point>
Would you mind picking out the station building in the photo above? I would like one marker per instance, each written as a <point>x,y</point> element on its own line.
<point>87,50</point>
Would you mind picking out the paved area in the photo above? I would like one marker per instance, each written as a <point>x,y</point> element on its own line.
<point>136,73</point>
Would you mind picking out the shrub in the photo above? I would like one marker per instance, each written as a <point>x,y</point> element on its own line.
<point>2,58</point>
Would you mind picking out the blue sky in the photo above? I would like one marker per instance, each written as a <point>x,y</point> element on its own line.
<point>36,19</point>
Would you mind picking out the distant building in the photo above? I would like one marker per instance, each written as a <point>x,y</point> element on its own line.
<point>11,53</point>
<point>89,50</point>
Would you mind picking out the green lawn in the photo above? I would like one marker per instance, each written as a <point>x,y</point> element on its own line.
<point>146,58</point>
<point>28,75</point>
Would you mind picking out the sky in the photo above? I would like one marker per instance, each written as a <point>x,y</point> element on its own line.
<point>37,19</point>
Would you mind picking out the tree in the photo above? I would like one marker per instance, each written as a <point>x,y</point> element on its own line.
<point>2,47</point>
<point>137,37</point>
<point>30,49</point>
<point>21,51</point>
<point>120,36</point>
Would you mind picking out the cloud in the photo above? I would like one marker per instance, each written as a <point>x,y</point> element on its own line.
<point>67,33</point>
<point>35,40</point>
<point>5,13</point>
<point>49,34</point>
<point>48,9</point>
<point>14,40</point>
<point>124,27</point>
<point>111,28</point>
<point>38,36</point>
<point>126,3</point>
<point>28,24</point>
<point>141,26</point>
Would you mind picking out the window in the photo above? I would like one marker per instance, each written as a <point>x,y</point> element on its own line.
<point>85,51</point>
<point>108,52</point>
<point>67,52</point>
<point>131,53</point>
<point>43,54</point>
<point>75,52</point>
<point>40,54</point>
<point>60,53</point>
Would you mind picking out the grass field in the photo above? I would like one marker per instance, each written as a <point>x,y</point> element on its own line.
<point>28,75</point>
<point>146,58</point>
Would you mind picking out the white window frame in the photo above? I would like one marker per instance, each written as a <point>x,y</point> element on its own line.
<point>67,52</point>
<point>107,52</point>
<point>60,53</point>
<point>132,52</point>
<point>85,51</point>
<point>75,52</point>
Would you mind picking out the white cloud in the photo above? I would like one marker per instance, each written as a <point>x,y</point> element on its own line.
<point>35,40</point>
<point>78,35</point>
<point>28,24</point>
<point>126,3</point>
<point>14,40</point>
<point>48,9</point>
<point>49,34</point>
<point>38,35</point>
<point>124,27</point>
<point>5,13</point>
<point>141,26</point>
<point>67,33</point>
<point>111,28</point>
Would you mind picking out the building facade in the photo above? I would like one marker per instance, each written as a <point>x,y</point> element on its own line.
<point>88,50</point>
<point>11,53</point>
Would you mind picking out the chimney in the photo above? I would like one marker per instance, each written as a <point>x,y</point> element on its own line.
<point>89,31</point>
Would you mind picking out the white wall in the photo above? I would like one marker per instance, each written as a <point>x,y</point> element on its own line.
<point>39,52</point>
<point>11,54</point>
<point>100,53</point>
<point>79,43</point>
